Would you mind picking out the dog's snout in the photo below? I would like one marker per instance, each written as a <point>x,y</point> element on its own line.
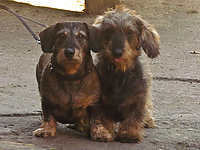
<point>69,53</point>
<point>117,53</point>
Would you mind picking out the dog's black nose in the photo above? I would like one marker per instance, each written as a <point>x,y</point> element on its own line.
<point>69,53</point>
<point>117,53</point>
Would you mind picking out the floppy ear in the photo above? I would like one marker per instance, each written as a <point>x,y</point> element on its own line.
<point>149,39</point>
<point>94,38</point>
<point>47,38</point>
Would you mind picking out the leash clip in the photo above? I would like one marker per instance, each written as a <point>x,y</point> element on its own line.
<point>51,66</point>
<point>38,41</point>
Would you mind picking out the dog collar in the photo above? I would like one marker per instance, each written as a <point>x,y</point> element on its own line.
<point>111,66</point>
<point>76,76</point>
<point>51,66</point>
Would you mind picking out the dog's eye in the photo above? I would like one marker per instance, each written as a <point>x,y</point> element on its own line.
<point>129,33</point>
<point>80,36</point>
<point>60,35</point>
<point>108,32</point>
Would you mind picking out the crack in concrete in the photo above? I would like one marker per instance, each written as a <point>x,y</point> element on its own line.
<point>177,79</point>
<point>39,113</point>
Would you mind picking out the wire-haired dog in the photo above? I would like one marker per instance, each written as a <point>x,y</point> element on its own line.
<point>125,85</point>
<point>68,82</point>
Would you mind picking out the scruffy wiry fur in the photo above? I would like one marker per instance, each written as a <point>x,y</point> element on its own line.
<point>125,80</point>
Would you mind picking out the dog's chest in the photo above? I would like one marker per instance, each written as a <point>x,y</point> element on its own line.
<point>72,86</point>
<point>116,84</point>
<point>117,87</point>
<point>69,107</point>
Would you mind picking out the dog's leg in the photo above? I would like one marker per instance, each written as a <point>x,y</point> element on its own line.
<point>48,126</point>
<point>101,128</point>
<point>131,129</point>
<point>47,129</point>
<point>83,125</point>
<point>148,119</point>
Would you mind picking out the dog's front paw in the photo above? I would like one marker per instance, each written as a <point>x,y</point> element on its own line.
<point>129,137</point>
<point>150,123</point>
<point>99,133</point>
<point>45,132</point>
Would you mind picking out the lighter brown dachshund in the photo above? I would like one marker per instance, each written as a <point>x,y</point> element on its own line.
<point>125,97</point>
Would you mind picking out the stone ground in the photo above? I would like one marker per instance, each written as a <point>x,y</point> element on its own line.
<point>176,79</point>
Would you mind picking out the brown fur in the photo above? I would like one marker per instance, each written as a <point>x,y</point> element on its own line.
<point>67,79</point>
<point>125,96</point>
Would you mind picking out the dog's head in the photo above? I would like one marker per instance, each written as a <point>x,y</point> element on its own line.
<point>70,42</point>
<point>123,33</point>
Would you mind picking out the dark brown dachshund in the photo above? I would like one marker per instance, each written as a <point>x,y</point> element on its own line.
<point>125,82</point>
<point>67,79</point>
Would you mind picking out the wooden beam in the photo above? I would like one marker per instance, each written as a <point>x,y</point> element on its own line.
<point>99,6</point>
